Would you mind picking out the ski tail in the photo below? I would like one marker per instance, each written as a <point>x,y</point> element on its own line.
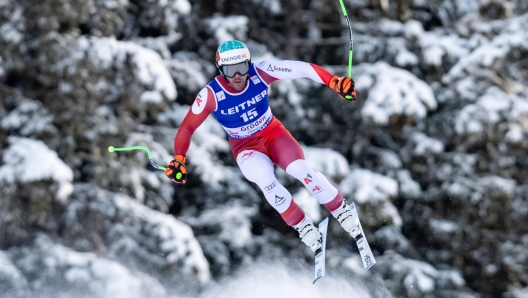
<point>364,248</point>
<point>320,253</point>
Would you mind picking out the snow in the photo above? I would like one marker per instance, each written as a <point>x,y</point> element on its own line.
<point>353,264</point>
<point>493,107</point>
<point>137,177</point>
<point>104,125</point>
<point>443,226</point>
<point>416,278</point>
<point>182,6</point>
<point>227,28</point>
<point>173,117</point>
<point>404,57</point>
<point>291,91</point>
<point>486,55</point>
<point>233,218</point>
<point>475,117</point>
<point>413,29</point>
<point>2,71</point>
<point>522,293</point>
<point>467,121</point>
<point>274,6</point>
<point>407,186</point>
<point>483,189</point>
<point>389,159</point>
<point>308,204</point>
<point>75,273</point>
<point>450,278</point>
<point>159,44</point>
<point>419,277</point>
<point>514,255</point>
<point>164,14</point>
<point>12,281</point>
<point>426,145</point>
<point>364,186</point>
<point>435,45</point>
<point>497,184</point>
<point>467,89</point>
<point>151,97</point>
<point>149,67</point>
<point>408,95</point>
<point>514,134</point>
<point>29,118</point>
<point>210,170</point>
<point>390,27</point>
<point>458,189</point>
<point>366,48</point>
<point>190,71</point>
<point>175,240</point>
<point>271,279</point>
<point>111,4</point>
<point>327,161</point>
<point>137,235</point>
<point>390,236</point>
<point>491,54</point>
<point>10,34</point>
<point>434,48</point>
<point>519,110</point>
<point>465,162</point>
<point>28,160</point>
<point>452,10</point>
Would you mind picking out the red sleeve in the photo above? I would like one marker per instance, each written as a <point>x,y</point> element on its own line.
<point>204,104</point>
<point>324,74</point>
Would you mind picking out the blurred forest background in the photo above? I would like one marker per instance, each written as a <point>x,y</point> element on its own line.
<point>433,152</point>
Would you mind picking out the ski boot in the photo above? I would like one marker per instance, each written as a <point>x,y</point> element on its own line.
<point>309,234</point>
<point>347,220</point>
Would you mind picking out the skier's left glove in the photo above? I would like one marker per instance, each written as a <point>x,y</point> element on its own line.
<point>176,170</point>
<point>344,86</point>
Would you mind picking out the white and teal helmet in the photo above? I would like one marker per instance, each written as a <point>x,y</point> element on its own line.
<point>232,53</point>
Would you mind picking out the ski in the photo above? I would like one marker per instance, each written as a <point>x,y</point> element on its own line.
<point>320,253</point>
<point>364,248</point>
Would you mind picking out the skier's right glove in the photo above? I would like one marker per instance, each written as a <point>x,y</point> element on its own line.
<point>344,86</point>
<point>176,170</point>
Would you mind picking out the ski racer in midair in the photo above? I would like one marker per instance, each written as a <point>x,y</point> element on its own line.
<point>239,100</point>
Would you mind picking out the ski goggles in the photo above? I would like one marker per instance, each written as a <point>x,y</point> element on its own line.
<point>231,70</point>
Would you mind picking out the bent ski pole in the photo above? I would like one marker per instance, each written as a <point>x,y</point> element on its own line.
<point>351,40</point>
<point>112,149</point>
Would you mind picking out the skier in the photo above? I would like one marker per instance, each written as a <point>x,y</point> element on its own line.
<point>239,100</point>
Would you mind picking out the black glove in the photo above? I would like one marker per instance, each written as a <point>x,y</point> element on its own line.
<point>176,170</point>
<point>344,86</point>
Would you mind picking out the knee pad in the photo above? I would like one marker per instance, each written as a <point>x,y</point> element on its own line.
<point>315,182</point>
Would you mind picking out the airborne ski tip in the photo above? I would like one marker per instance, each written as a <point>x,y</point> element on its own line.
<point>320,253</point>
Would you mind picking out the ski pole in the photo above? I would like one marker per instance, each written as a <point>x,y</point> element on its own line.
<point>351,42</point>
<point>112,149</point>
